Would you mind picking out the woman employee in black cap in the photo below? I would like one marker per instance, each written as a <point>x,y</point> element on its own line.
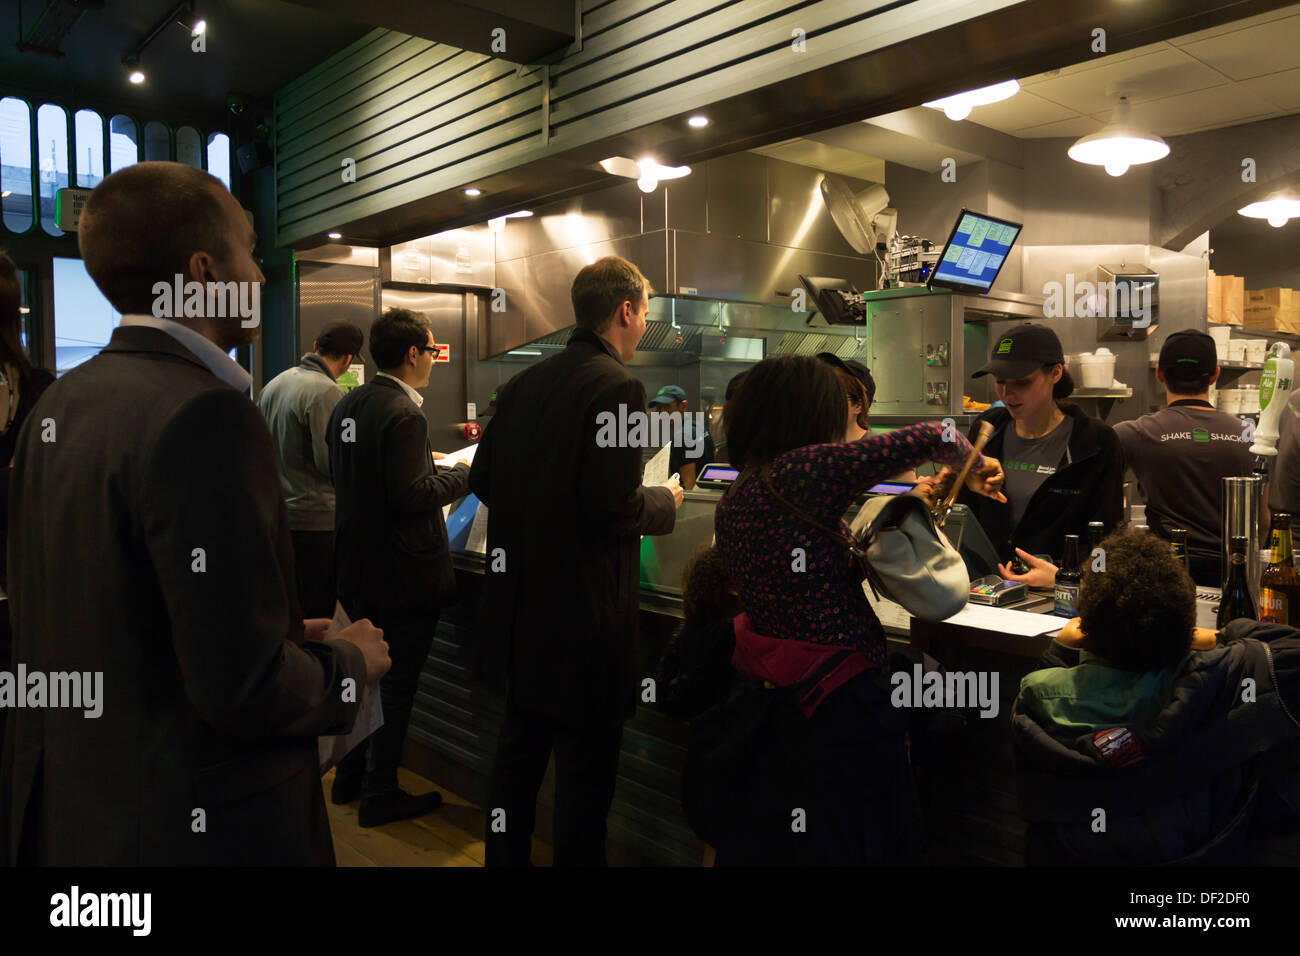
<point>1063,469</point>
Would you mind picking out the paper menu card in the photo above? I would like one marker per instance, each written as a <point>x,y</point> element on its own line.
<point>656,469</point>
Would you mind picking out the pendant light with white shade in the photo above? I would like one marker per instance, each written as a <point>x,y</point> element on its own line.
<point>1120,144</point>
<point>1278,211</point>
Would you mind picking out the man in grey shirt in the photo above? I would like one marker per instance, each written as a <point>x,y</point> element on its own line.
<point>1182,453</point>
<point>297,404</point>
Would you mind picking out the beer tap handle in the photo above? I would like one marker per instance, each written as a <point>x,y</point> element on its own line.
<point>945,506</point>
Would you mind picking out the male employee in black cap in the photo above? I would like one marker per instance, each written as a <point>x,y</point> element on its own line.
<point>1063,469</point>
<point>692,444</point>
<point>1182,453</point>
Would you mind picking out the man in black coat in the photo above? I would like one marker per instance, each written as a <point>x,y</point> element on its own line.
<point>149,556</point>
<point>567,512</point>
<point>391,550</point>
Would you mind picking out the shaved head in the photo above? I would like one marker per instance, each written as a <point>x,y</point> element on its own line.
<point>143,224</point>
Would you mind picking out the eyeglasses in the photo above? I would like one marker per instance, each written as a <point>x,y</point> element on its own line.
<point>431,349</point>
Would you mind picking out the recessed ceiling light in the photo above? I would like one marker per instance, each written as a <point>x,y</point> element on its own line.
<point>336,235</point>
<point>698,121</point>
<point>473,192</point>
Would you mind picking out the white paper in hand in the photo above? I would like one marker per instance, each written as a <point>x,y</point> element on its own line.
<point>656,469</point>
<point>370,715</point>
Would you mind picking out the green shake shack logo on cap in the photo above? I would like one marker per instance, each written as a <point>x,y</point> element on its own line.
<point>1004,346</point>
<point>1200,434</point>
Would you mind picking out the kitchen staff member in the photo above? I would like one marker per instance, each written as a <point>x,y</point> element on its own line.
<point>1182,453</point>
<point>692,445</point>
<point>1063,469</point>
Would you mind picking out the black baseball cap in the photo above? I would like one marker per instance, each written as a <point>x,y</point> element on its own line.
<point>1189,353</point>
<point>854,368</point>
<point>1018,352</point>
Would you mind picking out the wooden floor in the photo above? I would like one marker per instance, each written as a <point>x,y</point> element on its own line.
<point>450,836</point>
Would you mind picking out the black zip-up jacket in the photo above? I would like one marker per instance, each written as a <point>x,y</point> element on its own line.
<point>1088,486</point>
<point>1214,778</point>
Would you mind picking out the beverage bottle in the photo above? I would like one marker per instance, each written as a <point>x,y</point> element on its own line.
<point>1236,600</point>
<point>1279,585</point>
<point>1096,531</point>
<point>1178,539</point>
<point>1068,574</point>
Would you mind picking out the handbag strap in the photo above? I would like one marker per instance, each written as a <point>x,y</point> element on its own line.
<point>840,538</point>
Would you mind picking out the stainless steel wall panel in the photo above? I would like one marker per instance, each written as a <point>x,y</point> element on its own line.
<point>737,197</point>
<point>797,214</point>
<point>687,199</point>
<point>725,268</point>
<point>612,213</point>
<point>336,293</point>
<point>463,257</point>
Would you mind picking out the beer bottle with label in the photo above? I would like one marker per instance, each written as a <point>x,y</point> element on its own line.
<point>1178,541</point>
<point>1236,601</point>
<point>1067,580</point>
<point>1279,585</point>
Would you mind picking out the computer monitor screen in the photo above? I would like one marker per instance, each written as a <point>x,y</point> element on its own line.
<point>976,249</point>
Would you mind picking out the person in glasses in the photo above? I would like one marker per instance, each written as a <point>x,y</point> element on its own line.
<point>390,545</point>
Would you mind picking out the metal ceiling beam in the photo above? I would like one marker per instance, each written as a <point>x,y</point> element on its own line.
<point>519,33</point>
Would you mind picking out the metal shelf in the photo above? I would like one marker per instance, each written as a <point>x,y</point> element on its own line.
<point>1106,397</point>
<point>1102,393</point>
<point>1267,333</point>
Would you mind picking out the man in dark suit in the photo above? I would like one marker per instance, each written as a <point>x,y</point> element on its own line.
<point>149,543</point>
<point>567,511</point>
<point>391,550</point>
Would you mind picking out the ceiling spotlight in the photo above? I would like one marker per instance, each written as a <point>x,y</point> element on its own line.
<point>336,235</point>
<point>698,121</point>
<point>473,192</point>
<point>195,25</point>
<point>1278,210</point>
<point>1120,144</point>
<point>958,106</point>
<point>133,71</point>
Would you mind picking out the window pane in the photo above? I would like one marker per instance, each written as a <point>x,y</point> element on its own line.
<point>123,150</point>
<point>189,147</point>
<point>157,142</point>
<point>16,164</point>
<point>219,157</point>
<point>52,156</point>
<point>83,318</point>
<point>90,149</point>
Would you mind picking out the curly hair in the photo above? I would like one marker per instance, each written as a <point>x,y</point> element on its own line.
<point>707,594</point>
<point>1138,613</point>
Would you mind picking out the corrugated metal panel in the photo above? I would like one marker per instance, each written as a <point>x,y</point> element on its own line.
<point>419,118</point>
